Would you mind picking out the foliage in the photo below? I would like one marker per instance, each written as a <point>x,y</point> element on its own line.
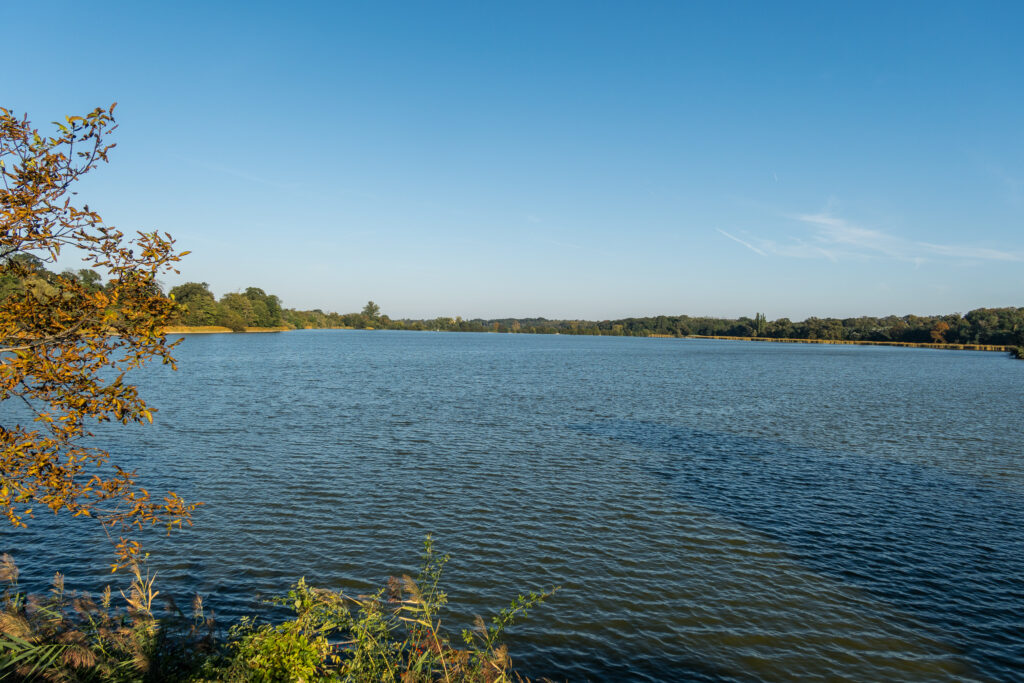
<point>236,312</point>
<point>371,310</point>
<point>395,634</point>
<point>1017,352</point>
<point>760,324</point>
<point>64,636</point>
<point>198,307</point>
<point>989,326</point>
<point>66,344</point>
<point>266,307</point>
<point>938,332</point>
<point>986,326</point>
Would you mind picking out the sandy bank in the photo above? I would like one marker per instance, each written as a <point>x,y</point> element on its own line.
<point>216,329</point>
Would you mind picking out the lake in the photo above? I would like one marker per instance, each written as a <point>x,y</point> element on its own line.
<point>712,510</point>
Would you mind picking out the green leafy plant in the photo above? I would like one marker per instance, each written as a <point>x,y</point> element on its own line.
<point>395,634</point>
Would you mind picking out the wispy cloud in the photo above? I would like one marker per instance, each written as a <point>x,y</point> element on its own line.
<point>568,245</point>
<point>977,253</point>
<point>240,173</point>
<point>748,245</point>
<point>836,232</point>
<point>795,248</point>
<point>835,238</point>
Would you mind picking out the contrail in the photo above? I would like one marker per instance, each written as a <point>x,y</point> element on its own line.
<point>748,245</point>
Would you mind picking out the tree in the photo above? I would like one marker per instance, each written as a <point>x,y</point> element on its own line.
<point>938,332</point>
<point>200,307</point>
<point>760,324</point>
<point>66,346</point>
<point>236,312</point>
<point>371,310</point>
<point>90,279</point>
<point>266,307</point>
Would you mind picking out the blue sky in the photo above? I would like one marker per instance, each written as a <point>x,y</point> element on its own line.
<point>569,160</point>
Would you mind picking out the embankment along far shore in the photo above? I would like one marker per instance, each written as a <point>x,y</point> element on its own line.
<point>857,342</point>
<point>216,329</point>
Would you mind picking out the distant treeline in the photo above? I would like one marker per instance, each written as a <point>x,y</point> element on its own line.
<point>995,326</point>
<point>255,308</point>
<point>25,271</point>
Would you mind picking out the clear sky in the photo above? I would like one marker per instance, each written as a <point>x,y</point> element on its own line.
<point>561,159</point>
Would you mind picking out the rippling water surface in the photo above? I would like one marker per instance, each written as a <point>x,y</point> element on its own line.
<point>712,510</point>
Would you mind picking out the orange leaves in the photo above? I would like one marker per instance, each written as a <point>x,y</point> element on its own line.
<point>60,336</point>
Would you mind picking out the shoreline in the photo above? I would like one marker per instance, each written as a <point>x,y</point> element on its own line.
<point>854,342</point>
<point>217,329</point>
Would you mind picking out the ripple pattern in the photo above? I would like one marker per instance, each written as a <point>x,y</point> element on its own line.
<point>712,510</point>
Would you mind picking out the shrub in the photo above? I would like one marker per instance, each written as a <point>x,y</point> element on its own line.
<point>394,634</point>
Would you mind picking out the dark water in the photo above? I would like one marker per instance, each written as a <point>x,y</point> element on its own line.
<point>712,510</point>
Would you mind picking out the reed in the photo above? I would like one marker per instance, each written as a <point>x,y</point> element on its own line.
<point>395,634</point>
<point>66,636</point>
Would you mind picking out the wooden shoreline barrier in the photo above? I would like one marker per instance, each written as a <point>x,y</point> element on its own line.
<point>857,342</point>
